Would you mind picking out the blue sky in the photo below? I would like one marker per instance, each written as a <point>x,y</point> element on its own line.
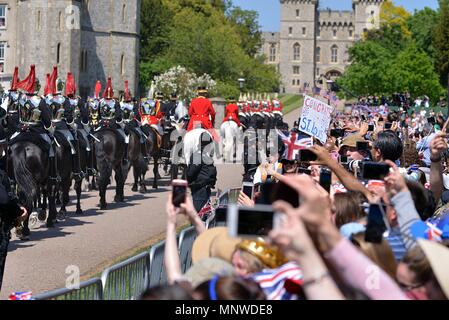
<point>269,10</point>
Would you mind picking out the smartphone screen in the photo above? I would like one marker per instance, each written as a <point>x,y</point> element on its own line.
<point>376,225</point>
<point>248,190</point>
<point>388,126</point>
<point>343,159</point>
<point>374,170</point>
<point>256,221</point>
<point>337,133</point>
<point>221,214</point>
<point>304,171</point>
<point>362,146</point>
<point>284,192</point>
<point>306,155</point>
<point>179,195</point>
<point>371,128</point>
<point>326,179</point>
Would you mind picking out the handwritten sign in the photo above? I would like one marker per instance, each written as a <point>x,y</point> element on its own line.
<point>315,118</point>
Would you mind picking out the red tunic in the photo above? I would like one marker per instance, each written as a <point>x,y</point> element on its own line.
<point>151,116</point>
<point>246,107</point>
<point>201,110</point>
<point>277,105</point>
<point>232,113</point>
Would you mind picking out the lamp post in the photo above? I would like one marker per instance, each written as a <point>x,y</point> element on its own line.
<point>241,82</point>
<point>329,87</point>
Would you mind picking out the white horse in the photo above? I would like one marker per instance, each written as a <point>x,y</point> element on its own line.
<point>230,133</point>
<point>191,143</point>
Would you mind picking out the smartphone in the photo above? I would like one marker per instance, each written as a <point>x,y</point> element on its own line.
<point>431,120</point>
<point>337,133</point>
<point>179,192</point>
<point>371,128</point>
<point>282,191</point>
<point>362,146</point>
<point>343,159</point>
<point>304,171</point>
<point>266,191</point>
<point>221,214</point>
<point>326,179</point>
<point>374,170</point>
<point>257,221</point>
<point>248,189</point>
<point>306,155</point>
<point>363,117</point>
<point>388,126</point>
<point>377,223</point>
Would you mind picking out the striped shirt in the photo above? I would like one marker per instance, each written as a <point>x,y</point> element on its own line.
<point>396,243</point>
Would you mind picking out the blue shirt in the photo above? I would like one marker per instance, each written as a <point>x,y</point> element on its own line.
<point>396,243</point>
<point>424,145</point>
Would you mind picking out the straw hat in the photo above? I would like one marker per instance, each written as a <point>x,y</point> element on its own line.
<point>438,256</point>
<point>216,243</point>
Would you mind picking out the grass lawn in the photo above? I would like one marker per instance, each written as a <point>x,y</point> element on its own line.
<point>291,102</point>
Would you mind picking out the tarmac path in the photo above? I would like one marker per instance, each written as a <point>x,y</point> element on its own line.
<point>98,238</point>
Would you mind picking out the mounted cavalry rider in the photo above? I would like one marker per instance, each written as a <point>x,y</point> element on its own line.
<point>201,111</point>
<point>131,117</point>
<point>111,115</point>
<point>64,109</point>
<point>151,115</point>
<point>34,118</point>
<point>93,107</point>
<point>232,112</point>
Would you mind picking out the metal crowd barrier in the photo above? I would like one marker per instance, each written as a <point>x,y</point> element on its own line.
<point>186,239</point>
<point>91,289</point>
<point>128,279</point>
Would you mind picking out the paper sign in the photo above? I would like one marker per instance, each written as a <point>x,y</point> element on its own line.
<point>315,118</point>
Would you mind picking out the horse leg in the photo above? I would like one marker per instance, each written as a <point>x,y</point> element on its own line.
<point>120,183</point>
<point>155,171</point>
<point>78,186</point>
<point>52,212</point>
<point>143,170</point>
<point>136,178</point>
<point>65,186</point>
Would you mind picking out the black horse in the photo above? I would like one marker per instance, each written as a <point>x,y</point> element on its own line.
<point>110,152</point>
<point>154,150</point>
<point>137,161</point>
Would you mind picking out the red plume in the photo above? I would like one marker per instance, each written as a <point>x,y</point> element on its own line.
<point>47,89</point>
<point>70,86</point>
<point>108,92</point>
<point>29,83</point>
<point>98,89</point>
<point>127,95</point>
<point>15,79</point>
<point>53,78</point>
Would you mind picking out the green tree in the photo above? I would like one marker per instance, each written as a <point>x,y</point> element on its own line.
<point>421,25</point>
<point>391,14</point>
<point>440,42</point>
<point>246,23</point>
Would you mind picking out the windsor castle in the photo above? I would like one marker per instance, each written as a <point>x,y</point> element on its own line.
<point>314,43</point>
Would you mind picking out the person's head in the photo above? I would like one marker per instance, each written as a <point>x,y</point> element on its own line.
<point>387,146</point>
<point>347,208</point>
<point>422,273</point>
<point>173,292</point>
<point>245,263</point>
<point>229,288</point>
<point>380,253</point>
<point>349,148</point>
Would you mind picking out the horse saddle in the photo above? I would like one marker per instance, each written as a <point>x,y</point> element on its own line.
<point>42,140</point>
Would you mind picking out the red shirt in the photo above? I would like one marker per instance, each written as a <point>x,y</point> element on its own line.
<point>232,113</point>
<point>277,108</point>
<point>201,110</point>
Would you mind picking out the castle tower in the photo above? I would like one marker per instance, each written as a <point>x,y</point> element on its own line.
<point>367,15</point>
<point>297,44</point>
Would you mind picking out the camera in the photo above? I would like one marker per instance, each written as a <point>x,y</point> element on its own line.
<point>257,221</point>
<point>374,170</point>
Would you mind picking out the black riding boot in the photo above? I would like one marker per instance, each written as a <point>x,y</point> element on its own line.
<point>76,170</point>
<point>91,172</point>
<point>53,174</point>
<point>125,156</point>
<point>143,148</point>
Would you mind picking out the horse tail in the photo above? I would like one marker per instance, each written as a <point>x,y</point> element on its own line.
<point>104,165</point>
<point>23,176</point>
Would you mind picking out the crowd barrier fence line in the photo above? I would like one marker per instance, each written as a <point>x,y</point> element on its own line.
<point>186,239</point>
<point>91,289</point>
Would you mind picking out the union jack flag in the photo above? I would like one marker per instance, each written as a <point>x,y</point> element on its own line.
<point>276,283</point>
<point>294,142</point>
<point>21,296</point>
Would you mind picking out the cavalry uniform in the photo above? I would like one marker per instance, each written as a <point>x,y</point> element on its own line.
<point>232,114</point>
<point>150,114</point>
<point>277,106</point>
<point>201,113</point>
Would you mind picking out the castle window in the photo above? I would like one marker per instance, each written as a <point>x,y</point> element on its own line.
<point>318,32</point>
<point>297,82</point>
<point>290,31</point>
<point>297,13</point>
<point>3,16</point>
<point>295,69</point>
<point>303,31</point>
<point>293,82</point>
<point>2,56</point>
<point>38,20</point>
<point>296,52</point>
<point>58,53</point>
<point>60,21</point>
<point>318,54</point>
<point>351,33</point>
<point>122,65</point>
<point>124,13</point>
<point>334,54</point>
<point>83,65</point>
<point>335,33</point>
<point>273,53</point>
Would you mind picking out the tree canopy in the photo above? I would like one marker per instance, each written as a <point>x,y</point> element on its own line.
<point>206,37</point>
